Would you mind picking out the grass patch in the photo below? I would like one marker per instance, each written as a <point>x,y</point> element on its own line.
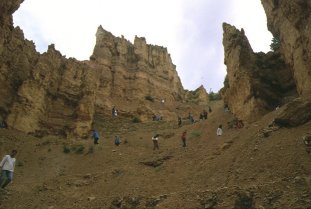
<point>91,149</point>
<point>195,134</point>
<point>78,149</point>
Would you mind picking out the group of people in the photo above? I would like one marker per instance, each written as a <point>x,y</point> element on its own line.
<point>155,140</point>
<point>117,139</point>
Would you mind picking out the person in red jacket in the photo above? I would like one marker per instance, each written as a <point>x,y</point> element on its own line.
<point>183,138</point>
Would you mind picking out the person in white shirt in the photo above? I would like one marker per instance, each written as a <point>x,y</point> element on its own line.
<point>219,130</point>
<point>155,139</point>
<point>7,166</point>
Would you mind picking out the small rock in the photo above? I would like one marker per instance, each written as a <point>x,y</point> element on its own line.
<point>87,176</point>
<point>91,198</point>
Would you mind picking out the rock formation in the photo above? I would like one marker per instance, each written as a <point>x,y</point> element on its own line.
<point>290,23</point>
<point>264,79</point>
<point>49,94</point>
<point>256,82</point>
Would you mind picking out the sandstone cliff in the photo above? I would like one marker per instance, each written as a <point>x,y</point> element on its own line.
<point>290,23</point>
<point>49,94</point>
<point>256,82</point>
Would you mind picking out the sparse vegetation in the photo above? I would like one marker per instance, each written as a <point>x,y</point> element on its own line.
<point>66,149</point>
<point>91,149</point>
<point>78,149</point>
<point>275,45</point>
<point>214,96</point>
<point>136,120</point>
<point>195,134</point>
<point>150,98</point>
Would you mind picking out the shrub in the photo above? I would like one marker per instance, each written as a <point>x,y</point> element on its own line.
<point>275,45</point>
<point>66,149</point>
<point>136,120</point>
<point>78,149</point>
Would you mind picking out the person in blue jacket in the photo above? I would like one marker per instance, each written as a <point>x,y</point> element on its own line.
<point>95,136</point>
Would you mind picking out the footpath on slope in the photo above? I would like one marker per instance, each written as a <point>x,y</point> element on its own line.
<point>211,172</point>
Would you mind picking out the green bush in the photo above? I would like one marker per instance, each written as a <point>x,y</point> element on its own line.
<point>66,149</point>
<point>275,45</point>
<point>136,120</point>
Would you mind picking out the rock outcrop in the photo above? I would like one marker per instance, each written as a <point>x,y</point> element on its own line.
<point>290,23</point>
<point>256,82</point>
<point>49,94</point>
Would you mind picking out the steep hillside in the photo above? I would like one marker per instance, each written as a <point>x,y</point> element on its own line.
<point>253,167</point>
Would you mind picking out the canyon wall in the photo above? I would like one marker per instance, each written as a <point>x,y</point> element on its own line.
<point>50,94</point>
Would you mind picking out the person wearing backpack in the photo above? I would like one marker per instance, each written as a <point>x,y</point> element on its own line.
<point>117,140</point>
<point>95,136</point>
<point>7,169</point>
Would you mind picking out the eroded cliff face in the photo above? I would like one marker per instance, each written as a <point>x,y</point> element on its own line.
<point>256,82</point>
<point>133,72</point>
<point>49,94</point>
<point>290,22</point>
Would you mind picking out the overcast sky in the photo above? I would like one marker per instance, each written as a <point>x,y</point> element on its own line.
<point>190,29</point>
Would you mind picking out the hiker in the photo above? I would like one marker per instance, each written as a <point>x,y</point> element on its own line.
<point>113,110</point>
<point>155,139</point>
<point>183,138</point>
<point>191,118</point>
<point>226,108</point>
<point>7,169</point>
<point>205,114</point>
<point>3,124</point>
<point>201,116</point>
<point>179,121</point>
<point>117,140</point>
<point>95,136</point>
<point>219,130</point>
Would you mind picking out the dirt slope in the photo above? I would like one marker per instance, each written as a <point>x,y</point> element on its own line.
<point>237,170</point>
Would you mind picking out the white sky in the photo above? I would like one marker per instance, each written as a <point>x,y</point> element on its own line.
<point>190,29</point>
